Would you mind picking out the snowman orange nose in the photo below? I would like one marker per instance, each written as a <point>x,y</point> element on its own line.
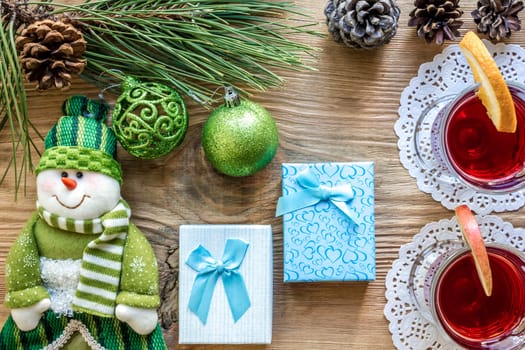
<point>69,183</point>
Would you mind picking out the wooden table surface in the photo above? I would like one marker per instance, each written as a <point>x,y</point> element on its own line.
<point>345,110</point>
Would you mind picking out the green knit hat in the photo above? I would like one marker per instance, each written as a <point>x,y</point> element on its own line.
<point>80,140</point>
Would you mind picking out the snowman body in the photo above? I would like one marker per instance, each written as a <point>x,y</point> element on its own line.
<point>81,275</point>
<point>78,195</point>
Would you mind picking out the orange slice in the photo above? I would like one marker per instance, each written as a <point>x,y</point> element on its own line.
<point>493,92</point>
<point>472,235</point>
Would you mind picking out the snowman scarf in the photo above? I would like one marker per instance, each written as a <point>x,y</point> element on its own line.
<point>101,265</point>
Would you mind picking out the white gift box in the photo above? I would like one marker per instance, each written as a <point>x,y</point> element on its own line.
<point>254,326</point>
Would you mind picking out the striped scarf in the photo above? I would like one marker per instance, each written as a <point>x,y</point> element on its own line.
<point>101,265</point>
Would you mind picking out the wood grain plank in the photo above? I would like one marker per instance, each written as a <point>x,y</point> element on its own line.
<point>344,110</point>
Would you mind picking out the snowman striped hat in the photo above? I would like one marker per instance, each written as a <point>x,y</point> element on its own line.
<point>81,140</point>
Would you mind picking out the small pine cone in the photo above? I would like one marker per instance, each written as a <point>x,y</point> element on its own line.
<point>362,23</point>
<point>436,20</point>
<point>50,52</point>
<point>497,18</point>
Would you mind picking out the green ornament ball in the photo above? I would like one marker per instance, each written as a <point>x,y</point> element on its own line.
<point>240,137</point>
<point>149,119</point>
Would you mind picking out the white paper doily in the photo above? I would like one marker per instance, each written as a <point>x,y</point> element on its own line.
<point>434,85</point>
<point>409,322</point>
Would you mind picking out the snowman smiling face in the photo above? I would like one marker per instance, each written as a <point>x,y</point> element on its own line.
<point>77,194</point>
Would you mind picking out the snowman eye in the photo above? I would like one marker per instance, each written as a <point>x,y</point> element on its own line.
<point>80,175</point>
<point>64,174</point>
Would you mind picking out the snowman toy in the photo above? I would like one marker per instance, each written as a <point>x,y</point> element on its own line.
<point>81,275</point>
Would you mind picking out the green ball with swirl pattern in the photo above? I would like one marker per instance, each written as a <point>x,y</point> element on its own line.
<point>149,119</point>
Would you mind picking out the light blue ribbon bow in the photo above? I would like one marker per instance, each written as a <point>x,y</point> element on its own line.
<point>209,270</point>
<point>314,192</point>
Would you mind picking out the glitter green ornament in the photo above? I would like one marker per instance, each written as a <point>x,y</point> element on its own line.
<point>149,119</point>
<point>240,137</point>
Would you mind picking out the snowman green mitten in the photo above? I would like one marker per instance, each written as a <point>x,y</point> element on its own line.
<point>27,318</point>
<point>143,321</point>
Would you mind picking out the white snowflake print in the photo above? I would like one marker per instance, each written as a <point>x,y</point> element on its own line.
<point>7,270</point>
<point>30,261</point>
<point>24,240</point>
<point>137,265</point>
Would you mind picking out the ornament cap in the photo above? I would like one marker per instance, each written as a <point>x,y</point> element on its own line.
<point>129,83</point>
<point>231,97</point>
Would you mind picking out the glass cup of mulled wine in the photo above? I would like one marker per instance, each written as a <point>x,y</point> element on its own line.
<point>468,147</point>
<point>461,310</point>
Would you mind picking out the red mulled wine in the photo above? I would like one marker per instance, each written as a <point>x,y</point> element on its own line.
<point>471,318</point>
<point>477,151</point>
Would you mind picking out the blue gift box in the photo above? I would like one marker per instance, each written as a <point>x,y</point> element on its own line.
<point>225,284</point>
<point>328,221</point>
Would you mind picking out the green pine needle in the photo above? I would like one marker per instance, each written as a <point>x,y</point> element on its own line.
<point>13,107</point>
<point>194,46</point>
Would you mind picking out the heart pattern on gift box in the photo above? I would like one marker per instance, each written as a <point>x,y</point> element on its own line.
<point>306,216</point>
<point>320,242</point>
<point>329,237</point>
<point>325,273</point>
<point>330,253</point>
<point>310,228</point>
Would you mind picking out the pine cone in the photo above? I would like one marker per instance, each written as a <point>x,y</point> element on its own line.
<point>362,23</point>
<point>436,19</point>
<point>497,18</point>
<point>50,52</point>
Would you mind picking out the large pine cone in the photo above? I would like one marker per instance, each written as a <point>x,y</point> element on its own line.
<point>436,20</point>
<point>497,18</point>
<point>50,52</point>
<point>362,23</point>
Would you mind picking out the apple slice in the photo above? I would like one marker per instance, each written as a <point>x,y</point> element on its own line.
<point>472,234</point>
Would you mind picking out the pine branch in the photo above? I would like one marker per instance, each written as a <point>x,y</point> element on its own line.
<point>193,46</point>
<point>13,106</point>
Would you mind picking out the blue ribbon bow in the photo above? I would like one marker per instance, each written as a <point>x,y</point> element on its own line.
<point>209,270</point>
<point>314,192</point>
